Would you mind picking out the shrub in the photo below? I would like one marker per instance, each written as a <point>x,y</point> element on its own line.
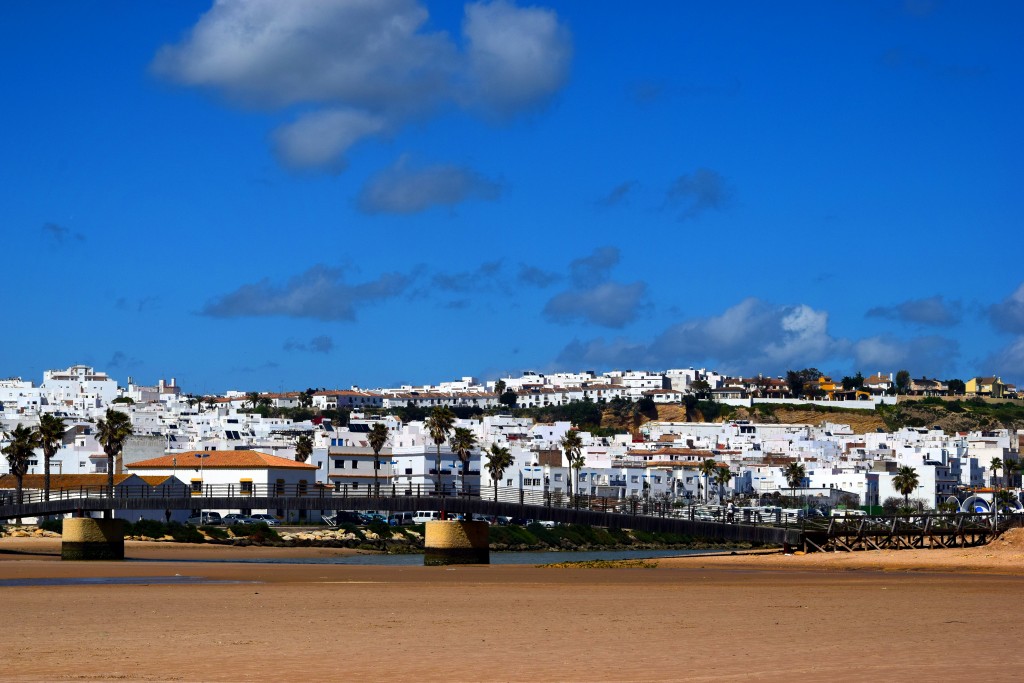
<point>184,533</point>
<point>56,525</point>
<point>147,527</point>
<point>215,532</point>
<point>380,528</point>
<point>258,532</point>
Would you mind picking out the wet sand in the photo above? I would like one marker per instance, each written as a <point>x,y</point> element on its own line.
<point>766,617</point>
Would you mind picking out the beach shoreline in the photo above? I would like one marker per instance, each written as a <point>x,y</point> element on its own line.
<point>704,617</point>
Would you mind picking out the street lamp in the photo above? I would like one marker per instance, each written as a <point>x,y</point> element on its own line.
<point>202,458</point>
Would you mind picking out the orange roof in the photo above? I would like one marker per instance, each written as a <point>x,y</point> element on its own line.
<point>60,481</point>
<point>221,460</point>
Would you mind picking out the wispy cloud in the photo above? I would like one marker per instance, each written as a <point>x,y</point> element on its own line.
<point>698,192</point>
<point>59,234</point>
<point>320,293</point>
<point>320,344</point>
<point>935,311</point>
<point>593,297</point>
<point>467,281</point>
<point>618,194</point>
<point>536,277</point>
<point>402,189</point>
<point>1008,315</point>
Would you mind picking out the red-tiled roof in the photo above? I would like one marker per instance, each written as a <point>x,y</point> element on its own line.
<point>221,460</point>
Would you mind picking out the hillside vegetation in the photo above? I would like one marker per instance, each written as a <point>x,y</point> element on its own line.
<point>950,416</point>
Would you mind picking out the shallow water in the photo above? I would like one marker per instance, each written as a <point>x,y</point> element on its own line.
<point>496,558</point>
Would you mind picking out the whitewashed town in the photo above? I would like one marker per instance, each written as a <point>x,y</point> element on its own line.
<point>321,438</point>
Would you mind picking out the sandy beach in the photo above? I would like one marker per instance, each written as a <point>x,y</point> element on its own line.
<point>915,615</point>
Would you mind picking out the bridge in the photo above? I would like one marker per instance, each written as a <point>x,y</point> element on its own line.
<point>637,514</point>
<point>751,525</point>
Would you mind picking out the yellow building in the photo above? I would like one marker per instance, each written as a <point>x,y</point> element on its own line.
<point>985,386</point>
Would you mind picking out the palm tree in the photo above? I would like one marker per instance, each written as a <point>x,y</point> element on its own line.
<point>499,459</point>
<point>253,399</point>
<point>462,445</point>
<point>707,468</point>
<point>996,464</point>
<point>51,437</point>
<point>905,482</point>
<point>303,448</point>
<point>211,402</point>
<point>794,474</point>
<point>111,434</point>
<point>377,438</point>
<point>439,424</point>
<point>24,441</point>
<point>572,445</point>
<point>722,477</point>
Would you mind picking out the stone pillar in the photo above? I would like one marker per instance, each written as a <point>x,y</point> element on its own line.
<point>454,542</point>
<point>84,538</point>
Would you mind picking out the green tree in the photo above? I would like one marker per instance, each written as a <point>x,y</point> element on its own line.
<point>499,388</point>
<point>252,399</point>
<point>508,398</point>
<point>957,387</point>
<point>995,466</point>
<point>21,449</point>
<point>794,474</point>
<point>463,442</point>
<point>51,437</point>
<point>439,424</point>
<point>572,446</point>
<point>377,438</point>
<point>905,482</point>
<point>708,468</point>
<point>902,381</point>
<point>303,448</point>
<point>701,389</point>
<point>723,475</point>
<point>499,459</point>
<point>111,433</point>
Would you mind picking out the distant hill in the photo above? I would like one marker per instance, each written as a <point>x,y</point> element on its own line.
<point>951,416</point>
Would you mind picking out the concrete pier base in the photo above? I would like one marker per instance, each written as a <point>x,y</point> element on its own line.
<point>84,538</point>
<point>453,542</point>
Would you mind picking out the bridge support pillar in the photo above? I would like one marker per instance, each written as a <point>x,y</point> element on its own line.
<point>454,542</point>
<point>84,538</point>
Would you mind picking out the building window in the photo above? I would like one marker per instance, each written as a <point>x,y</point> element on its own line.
<point>279,487</point>
<point>339,464</point>
<point>355,464</point>
<point>245,487</point>
<point>197,486</point>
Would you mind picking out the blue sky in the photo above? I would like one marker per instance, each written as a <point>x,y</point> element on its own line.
<point>271,195</point>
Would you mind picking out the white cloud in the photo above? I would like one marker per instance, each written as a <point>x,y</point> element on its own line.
<point>374,64</point>
<point>518,57</point>
<point>320,139</point>
<point>757,336</point>
<point>365,53</point>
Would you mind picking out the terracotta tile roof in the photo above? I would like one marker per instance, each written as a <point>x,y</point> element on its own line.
<point>60,481</point>
<point>222,460</point>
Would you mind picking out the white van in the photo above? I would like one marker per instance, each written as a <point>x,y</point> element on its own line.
<point>421,516</point>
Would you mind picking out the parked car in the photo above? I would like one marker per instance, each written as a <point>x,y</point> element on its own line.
<point>235,518</point>
<point>207,518</point>
<point>348,517</point>
<point>271,520</point>
<point>400,519</point>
